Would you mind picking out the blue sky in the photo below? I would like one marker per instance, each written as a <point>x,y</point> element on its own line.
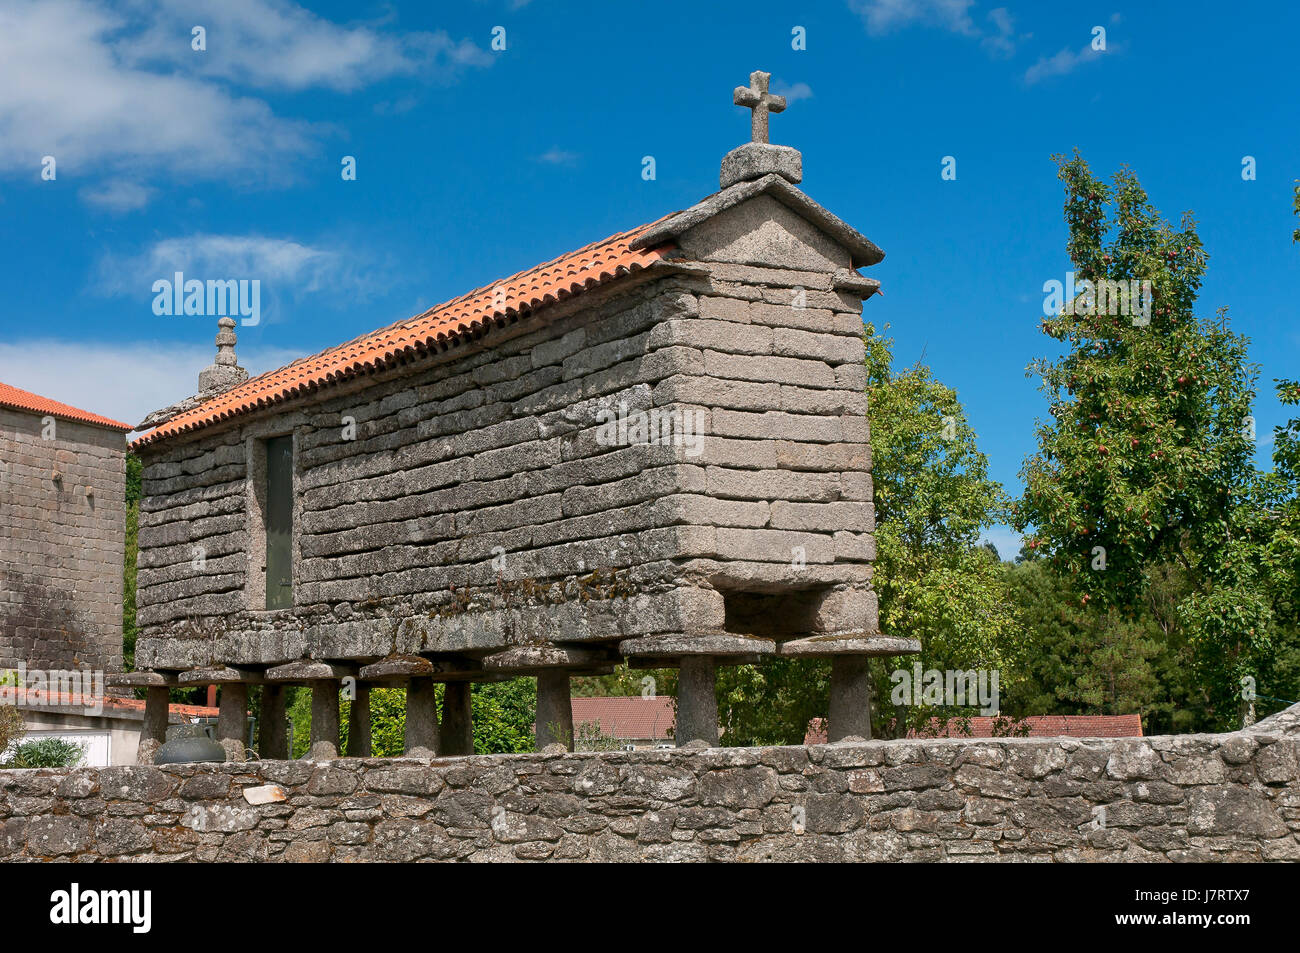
<point>473,163</point>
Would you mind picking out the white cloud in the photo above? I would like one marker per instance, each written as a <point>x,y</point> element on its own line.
<point>117,195</point>
<point>287,272</point>
<point>955,16</point>
<point>64,92</point>
<point>1001,42</point>
<point>119,92</point>
<point>278,44</point>
<point>124,381</point>
<point>793,93</point>
<point>1065,61</point>
<point>302,267</point>
<point>884,16</point>
<point>557,156</point>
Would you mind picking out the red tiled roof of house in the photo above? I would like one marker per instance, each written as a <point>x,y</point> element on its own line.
<point>438,329</point>
<point>627,717</point>
<point>31,698</point>
<point>17,399</point>
<point>1040,726</point>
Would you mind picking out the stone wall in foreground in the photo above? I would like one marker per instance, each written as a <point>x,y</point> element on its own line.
<point>1232,797</point>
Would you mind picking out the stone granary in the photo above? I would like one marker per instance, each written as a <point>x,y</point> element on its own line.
<point>654,448</point>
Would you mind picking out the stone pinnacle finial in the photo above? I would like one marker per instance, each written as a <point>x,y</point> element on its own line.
<point>224,372</point>
<point>757,98</point>
<point>758,157</point>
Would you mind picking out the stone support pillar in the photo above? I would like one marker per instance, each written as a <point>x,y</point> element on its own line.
<point>232,720</point>
<point>154,730</point>
<point>457,730</point>
<point>850,708</point>
<point>273,724</point>
<point>697,705</point>
<point>554,709</point>
<point>359,723</point>
<point>324,720</point>
<point>421,719</point>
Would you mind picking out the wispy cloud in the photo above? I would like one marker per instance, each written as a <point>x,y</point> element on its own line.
<point>793,93</point>
<point>884,16</point>
<point>557,156</point>
<point>220,256</point>
<point>1002,41</point>
<point>280,45</point>
<point>998,38</point>
<point>117,195</point>
<point>1063,62</point>
<point>90,375</point>
<point>288,270</point>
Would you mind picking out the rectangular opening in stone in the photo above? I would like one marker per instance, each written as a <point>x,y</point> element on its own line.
<point>772,615</point>
<point>279,522</point>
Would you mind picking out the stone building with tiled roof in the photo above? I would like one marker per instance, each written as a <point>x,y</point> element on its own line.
<point>62,535</point>
<point>653,449</point>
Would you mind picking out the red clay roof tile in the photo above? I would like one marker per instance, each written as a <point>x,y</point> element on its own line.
<point>17,399</point>
<point>627,718</point>
<point>438,328</point>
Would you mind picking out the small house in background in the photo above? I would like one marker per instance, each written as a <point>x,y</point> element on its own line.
<point>633,721</point>
<point>107,727</point>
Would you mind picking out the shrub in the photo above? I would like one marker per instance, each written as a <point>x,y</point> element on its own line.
<point>47,753</point>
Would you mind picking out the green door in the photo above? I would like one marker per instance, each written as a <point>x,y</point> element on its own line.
<point>279,523</point>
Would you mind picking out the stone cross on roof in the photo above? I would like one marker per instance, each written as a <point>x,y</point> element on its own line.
<point>757,98</point>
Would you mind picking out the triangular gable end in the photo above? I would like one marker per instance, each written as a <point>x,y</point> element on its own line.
<point>766,220</point>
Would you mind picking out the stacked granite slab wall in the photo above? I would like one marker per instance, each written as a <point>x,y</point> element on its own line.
<point>62,534</point>
<point>1233,797</point>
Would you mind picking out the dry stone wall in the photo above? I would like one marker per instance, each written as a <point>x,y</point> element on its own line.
<point>1231,797</point>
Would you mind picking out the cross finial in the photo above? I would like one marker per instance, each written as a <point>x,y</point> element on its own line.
<point>757,98</point>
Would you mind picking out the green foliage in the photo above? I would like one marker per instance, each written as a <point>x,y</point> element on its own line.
<point>503,714</point>
<point>46,753</point>
<point>934,498</point>
<point>11,726</point>
<point>587,736</point>
<point>625,681</point>
<point>1147,458</point>
<point>771,703</point>
<point>1295,236</point>
<point>1080,661</point>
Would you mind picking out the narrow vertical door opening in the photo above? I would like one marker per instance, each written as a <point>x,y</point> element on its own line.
<point>279,522</point>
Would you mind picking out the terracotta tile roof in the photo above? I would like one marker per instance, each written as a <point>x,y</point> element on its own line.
<point>17,399</point>
<point>627,717</point>
<point>1040,726</point>
<point>437,329</point>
